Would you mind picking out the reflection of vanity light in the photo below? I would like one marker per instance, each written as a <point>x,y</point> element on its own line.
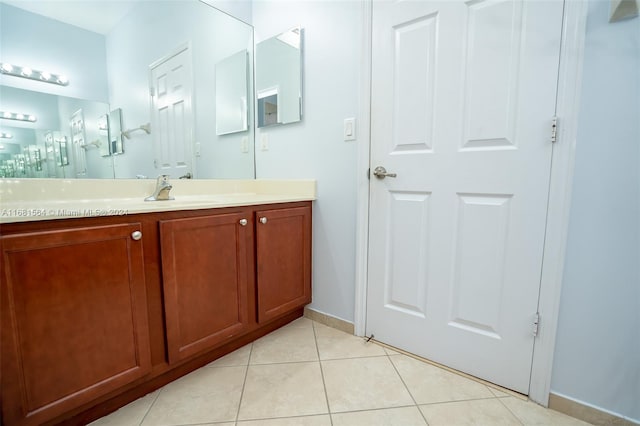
<point>4,135</point>
<point>27,72</point>
<point>17,116</point>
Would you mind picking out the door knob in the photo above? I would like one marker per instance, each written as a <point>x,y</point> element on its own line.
<point>263,220</point>
<point>381,173</point>
<point>243,222</point>
<point>136,235</point>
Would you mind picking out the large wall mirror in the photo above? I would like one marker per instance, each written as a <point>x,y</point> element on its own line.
<point>279,78</point>
<point>125,90</point>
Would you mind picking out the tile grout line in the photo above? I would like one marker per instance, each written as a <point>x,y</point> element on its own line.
<point>261,419</point>
<point>151,406</point>
<point>311,360</point>
<point>407,388</point>
<point>488,384</point>
<point>244,382</point>
<point>324,385</point>
<point>511,411</point>
<point>460,400</point>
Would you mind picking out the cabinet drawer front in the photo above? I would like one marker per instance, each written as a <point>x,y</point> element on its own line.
<point>205,279</point>
<point>283,238</point>
<point>75,327</point>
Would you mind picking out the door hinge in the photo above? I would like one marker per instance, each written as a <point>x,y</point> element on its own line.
<point>536,324</point>
<point>554,129</point>
<point>369,173</point>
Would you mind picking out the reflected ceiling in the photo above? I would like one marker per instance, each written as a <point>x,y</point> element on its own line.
<point>99,16</point>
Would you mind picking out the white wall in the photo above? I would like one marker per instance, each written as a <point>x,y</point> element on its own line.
<point>314,148</point>
<point>597,358</point>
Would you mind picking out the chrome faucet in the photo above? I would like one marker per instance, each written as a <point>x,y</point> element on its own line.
<point>162,189</point>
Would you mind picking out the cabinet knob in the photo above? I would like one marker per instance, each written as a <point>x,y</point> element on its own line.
<point>136,235</point>
<point>263,220</point>
<point>243,222</point>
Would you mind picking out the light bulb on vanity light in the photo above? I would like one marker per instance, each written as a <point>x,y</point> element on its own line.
<point>18,116</point>
<point>31,74</point>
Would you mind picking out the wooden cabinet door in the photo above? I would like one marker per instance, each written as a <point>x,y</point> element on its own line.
<point>74,319</point>
<point>205,264</point>
<point>283,238</point>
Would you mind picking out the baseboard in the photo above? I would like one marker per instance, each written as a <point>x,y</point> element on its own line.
<point>586,412</point>
<point>328,320</point>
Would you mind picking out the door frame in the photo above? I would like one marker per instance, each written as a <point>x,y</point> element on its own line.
<point>560,187</point>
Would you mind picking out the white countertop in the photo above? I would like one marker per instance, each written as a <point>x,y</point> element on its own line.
<point>25,200</point>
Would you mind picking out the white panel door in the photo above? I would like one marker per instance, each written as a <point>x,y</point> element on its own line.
<point>172,121</point>
<point>463,93</point>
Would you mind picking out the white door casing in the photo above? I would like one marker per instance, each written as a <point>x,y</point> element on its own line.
<point>172,113</point>
<point>462,97</point>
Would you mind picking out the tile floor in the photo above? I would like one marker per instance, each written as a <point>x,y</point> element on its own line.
<point>308,374</point>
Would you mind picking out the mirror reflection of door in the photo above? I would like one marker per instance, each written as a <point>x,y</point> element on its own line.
<point>268,113</point>
<point>78,140</point>
<point>171,83</point>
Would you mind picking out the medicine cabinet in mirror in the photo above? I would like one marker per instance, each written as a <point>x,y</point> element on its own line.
<point>279,78</point>
<point>232,78</point>
<point>109,101</point>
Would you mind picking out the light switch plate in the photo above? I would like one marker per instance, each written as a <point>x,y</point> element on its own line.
<point>197,149</point>
<point>349,129</point>
<point>264,141</point>
<point>244,145</point>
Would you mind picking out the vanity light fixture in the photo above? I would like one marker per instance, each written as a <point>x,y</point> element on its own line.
<point>27,72</point>
<point>4,135</point>
<point>18,117</point>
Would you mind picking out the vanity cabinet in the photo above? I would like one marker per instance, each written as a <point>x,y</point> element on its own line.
<point>97,312</point>
<point>74,318</point>
<point>205,271</point>
<point>283,247</point>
